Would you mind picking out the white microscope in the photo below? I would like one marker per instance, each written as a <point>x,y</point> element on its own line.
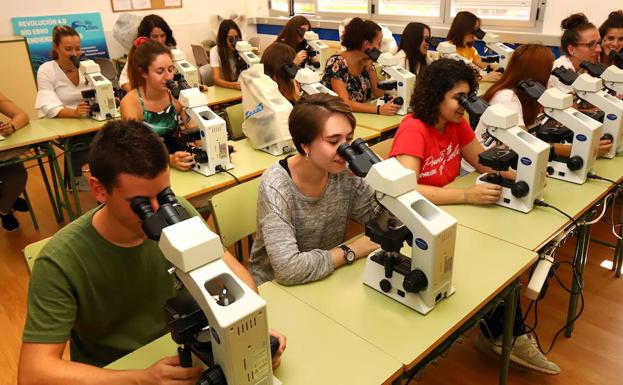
<point>527,154</point>
<point>581,131</point>
<point>101,97</point>
<point>266,112</point>
<point>612,76</point>
<point>245,52</point>
<point>447,50</point>
<point>184,68</point>
<point>400,84</point>
<point>225,323</point>
<point>309,80</point>
<point>213,155</point>
<point>425,278</point>
<point>492,42</point>
<point>317,52</point>
<point>590,89</point>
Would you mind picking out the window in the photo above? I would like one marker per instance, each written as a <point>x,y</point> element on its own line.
<point>304,6</point>
<point>424,8</point>
<point>343,6</point>
<point>279,6</point>
<point>522,13</point>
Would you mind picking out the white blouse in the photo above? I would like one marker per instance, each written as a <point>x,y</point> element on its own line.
<point>553,80</point>
<point>215,60</point>
<point>56,91</point>
<point>123,77</point>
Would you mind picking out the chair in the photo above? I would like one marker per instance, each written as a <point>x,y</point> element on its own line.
<point>108,69</point>
<point>200,54</point>
<point>256,42</point>
<point>235,214</point>
<point>235,117</point>
<point>31,252</point>
<point>205,73</point>
<point>383,148</point>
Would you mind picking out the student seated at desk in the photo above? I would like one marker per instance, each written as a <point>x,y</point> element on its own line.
<point>351,73</point>
<point>100,283</point>
<point>150,100</point>
<point>413,48</point>
<point>431,142</point>
<point>579,42</point>
<point>154,28</point>
<point>12,178</point>
<point>611,32</point>
<point>274,58</point>
<point>292,35</point>
<point>305,200</point>
<point>60,85</point>
<point>461,34</point>
<point>223,56</point>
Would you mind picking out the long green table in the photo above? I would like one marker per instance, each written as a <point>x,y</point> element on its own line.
<point>319,350</point>
<point>220,95</point>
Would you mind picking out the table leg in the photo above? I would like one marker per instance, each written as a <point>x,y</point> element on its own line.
<point>579,260</point>
<point>509,321</point>
<point>67,146</point>
<point>617,261</point>
<point>54,197</point>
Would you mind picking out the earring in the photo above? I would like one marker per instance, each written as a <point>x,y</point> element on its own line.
<point>306,155</point>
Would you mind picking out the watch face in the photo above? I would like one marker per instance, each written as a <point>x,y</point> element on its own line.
<point>350,256</point>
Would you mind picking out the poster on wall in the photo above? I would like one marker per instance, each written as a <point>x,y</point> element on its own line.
<point>38,33</point>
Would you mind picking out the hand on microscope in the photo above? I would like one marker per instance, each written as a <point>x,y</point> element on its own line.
<point>282,346</point>
<point>389,108</point>
<point>604,146</point>
<point>300,57</point>
<point>82,110</point>
<point>181,160</point>
<point>492,76</point>
<point>168,371</point>
<point>482,194</point>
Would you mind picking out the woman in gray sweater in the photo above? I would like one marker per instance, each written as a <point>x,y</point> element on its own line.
<point>305,200</point>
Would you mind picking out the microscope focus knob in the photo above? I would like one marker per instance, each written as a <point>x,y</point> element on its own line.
<point>385,285</point>
<point>212,376</point>
<point>575,163</point>
<point>520,189</point>
<point>415,281</point>
<point>608,137</point>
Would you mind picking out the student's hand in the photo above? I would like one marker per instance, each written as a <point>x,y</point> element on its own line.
<point>483,194</point>
<point>363,246</point>
<point>82,110</point>
<point>493,76</point>
<point>182,160</point>
<point>389,108</point>
<point>237,85</point>
<point>282,347</point>
<point>604,146</point>
<point>6,129</point>
<point>300,57</point>
<point>168,371</point>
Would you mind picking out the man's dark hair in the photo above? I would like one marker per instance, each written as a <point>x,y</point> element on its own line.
<point>126,147</point>
<point>433,84</point>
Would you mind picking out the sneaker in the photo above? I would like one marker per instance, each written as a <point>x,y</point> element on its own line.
<point>82,184</point>
<point>9,222</point>
<point>525,353</point>
<point>20,205</point>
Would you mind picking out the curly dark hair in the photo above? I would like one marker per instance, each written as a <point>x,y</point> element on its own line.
<point>433,84</point>
<point>150,22</point>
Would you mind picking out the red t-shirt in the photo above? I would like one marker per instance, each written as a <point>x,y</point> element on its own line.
<point>440,153</point>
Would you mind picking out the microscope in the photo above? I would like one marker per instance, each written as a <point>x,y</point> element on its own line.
<point>266,112</point>
<point>308,79</point>
<point>581,131</point>
<point>425,278</point>
<point>246,57</point>
<point>317,52</point>
<point>525,153</point>
<point>612,76</point>
<point>491,40</point>
<point>184,68</point>
<point>217,318</point>
<point>590,89</point>
<point>447,50</point>
<point>400,84</point>
<point>101,97</point>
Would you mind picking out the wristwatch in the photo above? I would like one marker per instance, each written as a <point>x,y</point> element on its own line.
<point>349,254</point>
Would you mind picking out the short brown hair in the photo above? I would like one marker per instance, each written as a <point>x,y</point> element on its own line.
<point>310,114</point>
<point>357,31</point>
<point>126,146</point>
<point>463,24</point>
<point>141,57</point>
<point>59,32</point>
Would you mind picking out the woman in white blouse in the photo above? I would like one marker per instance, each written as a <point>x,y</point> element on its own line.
<point>60,89</point>
<point>413,48</point>
<point>223,57</point>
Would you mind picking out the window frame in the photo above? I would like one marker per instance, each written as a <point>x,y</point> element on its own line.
<point>532,22</point>
<point>343,15</point>
<point>275,12</point>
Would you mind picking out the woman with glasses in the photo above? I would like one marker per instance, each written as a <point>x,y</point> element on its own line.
<point>580,42</point>
<point>413,48</point>
<point>292,35</point>
<point>223,56</point>
<point>611,32</point>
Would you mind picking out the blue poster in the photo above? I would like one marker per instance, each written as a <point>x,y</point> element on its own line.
<point>38,32</point>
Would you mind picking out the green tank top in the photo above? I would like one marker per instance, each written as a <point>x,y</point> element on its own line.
<point>163,122</point>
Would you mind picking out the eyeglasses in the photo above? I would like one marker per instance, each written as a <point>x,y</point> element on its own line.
<point>427,39</point>
<point>591,45</point>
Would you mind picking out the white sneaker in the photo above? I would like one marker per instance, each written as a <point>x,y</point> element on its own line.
<point>82,184</point>
<point>525,353</point>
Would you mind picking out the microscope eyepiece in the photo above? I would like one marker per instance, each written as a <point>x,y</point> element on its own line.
<point>290,69</point>
<point>373,53</point>
<point>346,152</point>
<point>533,89</point>
<point>142,207</point>
<point>617,58</point>
<point>479,33</point>
<point>593,69</point>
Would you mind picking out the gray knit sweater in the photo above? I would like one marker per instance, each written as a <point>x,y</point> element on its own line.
<point>295,232</point>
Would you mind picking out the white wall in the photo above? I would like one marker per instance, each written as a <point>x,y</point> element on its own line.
<point>191,24</point>
<point>596,11</point>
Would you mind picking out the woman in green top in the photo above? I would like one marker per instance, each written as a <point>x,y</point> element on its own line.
<point>150,66</point>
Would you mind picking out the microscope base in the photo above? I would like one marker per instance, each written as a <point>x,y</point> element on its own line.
<point>374,277</point>
<point>279,148</point>
<point>562,172</point>
<point>203,169</point>
<point>507,199</point>
<point>102,118</point>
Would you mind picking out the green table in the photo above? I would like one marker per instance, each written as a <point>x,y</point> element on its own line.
<point>483,267</point>
<point>382,123</point>
<point>319,350</point>
<point>221,95</point>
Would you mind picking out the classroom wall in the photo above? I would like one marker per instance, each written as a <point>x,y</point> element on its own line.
<point>191,24</point>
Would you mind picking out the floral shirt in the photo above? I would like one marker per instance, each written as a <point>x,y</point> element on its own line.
<point>359,88</point>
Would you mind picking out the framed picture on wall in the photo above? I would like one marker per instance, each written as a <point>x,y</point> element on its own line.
<point>135,5</point>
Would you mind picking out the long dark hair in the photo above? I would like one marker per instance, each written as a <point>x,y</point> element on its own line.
<point>614,21</point>
<point>223,52</point>
<point>573,26</point>
<point>274,57</point>
<point>410,43</point>
<point>150,22</point>
<point>289,34</point>
<point>463,24</point>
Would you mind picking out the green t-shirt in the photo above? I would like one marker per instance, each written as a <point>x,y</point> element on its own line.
<point>107,300</point>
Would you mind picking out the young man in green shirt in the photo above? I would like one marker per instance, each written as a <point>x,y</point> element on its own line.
<point>100,283</point>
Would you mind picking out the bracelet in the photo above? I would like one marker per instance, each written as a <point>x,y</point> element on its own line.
<point>378,109</point>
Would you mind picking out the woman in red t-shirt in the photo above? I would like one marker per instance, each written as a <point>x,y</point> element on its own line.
<point>433,139</point>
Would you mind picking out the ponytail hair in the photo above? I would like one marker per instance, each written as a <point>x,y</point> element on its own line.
<point>58,33</point>
<point>357,31</point>
<point>573,26</point>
